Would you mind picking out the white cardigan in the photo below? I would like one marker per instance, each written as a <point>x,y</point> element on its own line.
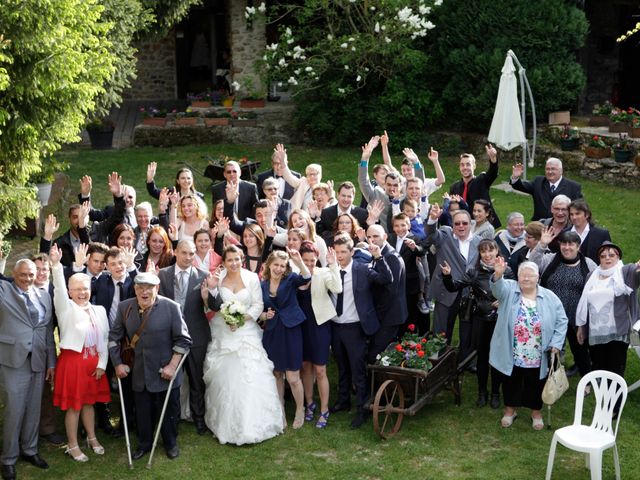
<point>73,321</point>
<point>324,279</point>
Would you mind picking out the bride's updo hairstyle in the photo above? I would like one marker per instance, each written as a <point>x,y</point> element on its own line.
<point>232,249</point>
<point>275,255</point>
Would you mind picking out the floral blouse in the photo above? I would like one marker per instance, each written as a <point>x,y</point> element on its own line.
<point>527,336</point>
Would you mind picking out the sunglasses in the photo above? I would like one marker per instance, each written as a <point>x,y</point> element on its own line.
<point>457,224</point>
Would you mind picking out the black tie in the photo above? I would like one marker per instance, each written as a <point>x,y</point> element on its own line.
<point>121,291</point>
<point>553,188</point>
<point>340,300</point>
<point>33,311</point>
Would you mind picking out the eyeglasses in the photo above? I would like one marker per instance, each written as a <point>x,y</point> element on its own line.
<point>457,224</point>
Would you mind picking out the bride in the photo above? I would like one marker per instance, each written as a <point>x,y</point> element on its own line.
<point>241,397</point>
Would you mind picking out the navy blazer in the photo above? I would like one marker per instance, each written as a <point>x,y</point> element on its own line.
<point>363,278</point>
<point>410,257</point>
<point>288,189</point>
<point>391,299</point>
<point>246,201</point>
<point>328,216</point>
<point>285,303</point>
<point>596,237</point>
<point>540,190</point>
<point>103,290</point>
<point>64,243</point>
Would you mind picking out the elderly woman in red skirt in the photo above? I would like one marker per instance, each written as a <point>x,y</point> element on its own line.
<point>80,380</point>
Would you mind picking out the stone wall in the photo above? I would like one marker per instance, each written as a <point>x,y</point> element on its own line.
<point>247,42</point>
<point>156,70</point>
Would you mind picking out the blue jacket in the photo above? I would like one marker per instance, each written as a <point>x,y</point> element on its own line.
<point>286,301</point>
<point>552,317</point>
<point>363,279</point>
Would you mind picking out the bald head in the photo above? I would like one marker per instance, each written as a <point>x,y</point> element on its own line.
<point>376,235</point>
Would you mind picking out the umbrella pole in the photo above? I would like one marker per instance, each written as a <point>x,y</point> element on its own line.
<point>525,81</point>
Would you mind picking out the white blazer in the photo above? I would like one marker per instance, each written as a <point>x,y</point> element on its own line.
<point>73,321</point>
<point>324,279</point>
<point>252,283</point>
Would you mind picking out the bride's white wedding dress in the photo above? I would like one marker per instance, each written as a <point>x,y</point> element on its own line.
<point>242,403</point>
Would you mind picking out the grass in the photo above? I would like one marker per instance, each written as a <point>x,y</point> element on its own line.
<point>441,441</point>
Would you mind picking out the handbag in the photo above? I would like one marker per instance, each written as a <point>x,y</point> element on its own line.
<point>128,347</point>
<point>557,382</point>
<point>467,307</point>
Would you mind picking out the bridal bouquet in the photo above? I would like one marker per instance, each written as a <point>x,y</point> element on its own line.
<point>233,313</point>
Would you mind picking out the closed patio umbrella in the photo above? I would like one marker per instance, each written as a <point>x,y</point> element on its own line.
<point>506,127</point>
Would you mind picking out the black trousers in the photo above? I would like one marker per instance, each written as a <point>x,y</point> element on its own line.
<point>349,345</point>
<point>148,409</point>
<point>482,333</point>
<point>523,388</point>
<point>416,317</point>
<point>193,368</point>
<point>580,352</point>
<point>611,356</point>
<point>379,342</point>
<point>445,321</point>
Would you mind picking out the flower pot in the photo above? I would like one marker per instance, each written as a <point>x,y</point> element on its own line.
<point>250,103</point>
<point>228,102</point>
<point>44,192</point>
<point>618,127</point>
<point>251,122</point>
<point>101,140</point>
<point>155,121</point>
<point>215,122</point>
<point>187,121</point>
<point>599,121</point>
<point>569,143</point>
<point>200,104</point>
<point>634,132</point>
<point>595,152</point>
<point>622,156</point>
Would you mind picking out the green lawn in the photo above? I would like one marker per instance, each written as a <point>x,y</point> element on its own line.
<point>441,441</point>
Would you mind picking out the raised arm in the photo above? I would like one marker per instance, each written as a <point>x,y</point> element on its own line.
<point>363,170</point>
<point>434,157</point>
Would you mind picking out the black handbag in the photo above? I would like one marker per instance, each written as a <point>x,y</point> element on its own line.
<point>467,307</point>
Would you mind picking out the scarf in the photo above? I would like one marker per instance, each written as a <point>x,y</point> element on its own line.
<point>619,288</point>
<point>512,239</point>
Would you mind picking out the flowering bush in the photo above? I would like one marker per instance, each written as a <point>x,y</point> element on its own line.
<point>412,351</point>
<point>597,142</point>
<point>233,313</point>
<point>619,115</point>
<point>213,96</point>
<point>153,112</point>
<point>188,113</point>
<point>569,132</point>
<point>604,109</point>
<point>623,143</point>
<point>634,117</point>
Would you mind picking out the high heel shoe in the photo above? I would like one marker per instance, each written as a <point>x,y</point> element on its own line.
<point>80,458</point>
<point>97,449</point>
<point>309,411</point>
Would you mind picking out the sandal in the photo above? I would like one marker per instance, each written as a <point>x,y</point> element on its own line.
<point>80,458</point>
<point>322,419</point>
<point>97,449</point>
<point>309,411</point>
<point>537,423</point>
<point>507,420</point>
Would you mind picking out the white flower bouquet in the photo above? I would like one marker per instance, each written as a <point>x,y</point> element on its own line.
<point>233,313</point>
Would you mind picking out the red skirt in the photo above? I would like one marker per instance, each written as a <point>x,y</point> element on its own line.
<point>75,384</point>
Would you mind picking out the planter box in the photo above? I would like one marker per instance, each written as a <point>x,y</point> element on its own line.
<point>634,132</point>
<point>568,144</point>
<point>252,122</point>
<point>599,121</point>
<point>216,122</point>
<point>187,121</point>
<point>155,121</point>
<point>594,152</point>
<point>618,127</point>
<point>247,103</point>
<point>200,104</point>
<point>622,156</point>
<point>559,118</point>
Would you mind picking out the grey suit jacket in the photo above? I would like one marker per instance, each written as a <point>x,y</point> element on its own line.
<point>194,316</point>
<point>164,334</point>
<point>18,334</point>
<point>447,249</point>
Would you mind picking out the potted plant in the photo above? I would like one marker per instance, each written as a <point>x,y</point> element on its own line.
<point>623,149</point>
<point>254,97</point>
<point>597,148</point>
<point>212,119</point>
<point>100,132</point>
<point>244,119</point>
<point>618,121</point>
<point>634,131</point>
<point>569,138</point>
<point>43,180</point>
<point>188,117</point>
<point>5,250</point>
<point>154,117</point>
<point>600,115</point>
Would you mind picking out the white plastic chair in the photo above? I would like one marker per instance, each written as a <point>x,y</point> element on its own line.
<point>608,388</point>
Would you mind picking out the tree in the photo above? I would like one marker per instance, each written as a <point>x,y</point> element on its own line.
<point>54,60</point>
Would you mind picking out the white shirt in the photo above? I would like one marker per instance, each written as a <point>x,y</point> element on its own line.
<point>554,186</point>
<point>116,298</point>
<point>584,233</point>
<point>464,246</point>
<point>349,311</point>
<point>400,241</point>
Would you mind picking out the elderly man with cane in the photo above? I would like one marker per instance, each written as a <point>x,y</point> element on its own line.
<point>159,337</point>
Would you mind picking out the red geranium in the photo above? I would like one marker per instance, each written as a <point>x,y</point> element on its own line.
<point>399,348</point>
<point>411,327</point>
<point>420,353</point>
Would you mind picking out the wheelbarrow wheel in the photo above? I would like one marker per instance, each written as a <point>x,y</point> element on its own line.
<point>388,409</point>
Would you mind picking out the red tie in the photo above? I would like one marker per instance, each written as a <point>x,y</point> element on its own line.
<point>465,190</point>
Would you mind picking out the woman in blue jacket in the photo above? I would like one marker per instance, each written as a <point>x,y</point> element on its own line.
<point>531,322</point>
<point>283,320</point>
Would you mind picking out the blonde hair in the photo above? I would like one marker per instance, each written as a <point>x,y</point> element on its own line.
<point>273,256</point>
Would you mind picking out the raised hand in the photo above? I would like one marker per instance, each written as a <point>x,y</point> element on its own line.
<point>435,212</point>
<point>410,244</point>
<point>374,250</point>
<point>51,226</point>
<point>83,218</point>
<point>375,210</point>
<point>55,254</point>
<point>281,154</point>
<point>115,184</point>
<point>129,255</point>
<point>361,234</point>
<point>330,184</point>
<point>433,155</point>
<point>173,232</point>
<point>151,267</point>
<point>151,171</point>
<point>547,236</point>
<point>223,226</point>
<point>313,209</point>
<point>174,198</point>
<point>163,199</point>
<point>369,147</point>
<point>271,230</point>
<point>331,256</point>
<point>80,255</point>
<point>232,192</point>
<point>445,267</point>
<point>384,139</point>
<point>517,170</point>
<point>85,186</point>
<point>499,267</point>
<point>491,152</point>
<point>411,155</point>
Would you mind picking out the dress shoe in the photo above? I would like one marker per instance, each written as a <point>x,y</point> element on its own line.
<point>8,472</point>
<point>35,460</point>
<point>495,401</point>
<point>340,407</point>
<point>139,453</point>
<point>173,452</point>
<point>201,427</point>
<point>54,439</point>
<point>482,399</point>
<point>572,370</point>
<point>359,419</point>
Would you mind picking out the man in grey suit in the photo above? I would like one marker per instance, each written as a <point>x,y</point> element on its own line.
<point>183,283</point>
<point>27,357</point>
<point>157,354</point>
<point>459,248</point>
